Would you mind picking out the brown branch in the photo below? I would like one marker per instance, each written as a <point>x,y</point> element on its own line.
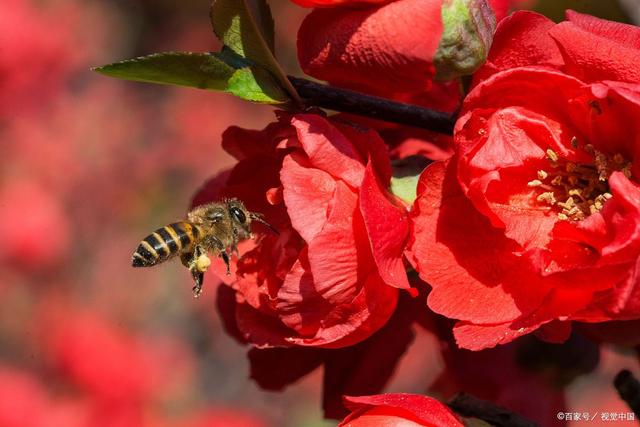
<point>469,406</point>
<point>629,390</point>
<point>348,101</point>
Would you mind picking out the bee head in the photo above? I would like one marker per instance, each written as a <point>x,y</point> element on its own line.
<point>242,218</point>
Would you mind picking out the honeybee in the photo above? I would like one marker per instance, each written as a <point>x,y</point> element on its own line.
<point>214,227</point>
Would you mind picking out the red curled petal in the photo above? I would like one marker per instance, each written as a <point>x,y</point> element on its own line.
<point>480,337</point>
<point>370,146</point>
<point>343,325</point>
<point>336,255</point>
<point>387,228</point>
<point>333,295</point>
<point>365,47</point>
<point>307,192</point>
<point>328,149</point>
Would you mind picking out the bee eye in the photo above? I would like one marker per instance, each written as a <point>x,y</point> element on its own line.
<point>238,215</point>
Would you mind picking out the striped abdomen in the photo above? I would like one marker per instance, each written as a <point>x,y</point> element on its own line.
<point>165,243</point>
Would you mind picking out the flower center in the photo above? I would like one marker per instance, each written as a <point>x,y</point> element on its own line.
<point>577,190</point>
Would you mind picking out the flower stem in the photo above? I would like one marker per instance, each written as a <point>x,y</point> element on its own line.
<point>629,390</point>
<point>470,406</point>
<point>349,101</point>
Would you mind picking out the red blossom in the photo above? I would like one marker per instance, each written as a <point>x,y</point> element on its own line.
<point>330,278</point>
<point>536,218</point>
<point>398,409</point>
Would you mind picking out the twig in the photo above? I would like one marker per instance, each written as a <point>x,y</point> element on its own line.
<point>349,101</point>
<point>470,406</point>
<point>629,390</point>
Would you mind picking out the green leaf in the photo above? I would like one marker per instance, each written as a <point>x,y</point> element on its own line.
<point>406,174</point>
<point>222,72</point>
<point>256,85</point>
<point>246,27</point>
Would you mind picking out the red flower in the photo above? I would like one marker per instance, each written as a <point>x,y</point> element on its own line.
<point>329,279</point>
<point>537,216</point>
<point>398,409</point>
<point>386,49</point>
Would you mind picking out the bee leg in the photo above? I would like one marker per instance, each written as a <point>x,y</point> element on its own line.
<point>225,258</point>
<point>234,249</point>
<point>198,278</point>
<point>216,245</point>
<point>197,262</point>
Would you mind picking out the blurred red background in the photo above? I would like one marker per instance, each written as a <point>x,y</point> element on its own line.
<point>89,166</point>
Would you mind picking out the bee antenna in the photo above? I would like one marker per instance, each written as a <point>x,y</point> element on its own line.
<point>257,217</point>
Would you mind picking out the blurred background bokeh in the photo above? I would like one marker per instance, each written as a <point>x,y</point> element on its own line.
<point>89,166</point>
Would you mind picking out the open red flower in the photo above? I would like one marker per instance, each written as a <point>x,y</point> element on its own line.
<point>536,219</point>
<point>398,409</point>
<point>331,277</point>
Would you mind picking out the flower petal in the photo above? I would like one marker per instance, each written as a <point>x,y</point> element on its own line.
<point>387,228</point>
<point>594,57</point>
<point>479,337</point>
<point>363,47</point>
<point>470,264</point>
<point>328,149</point>
<point>307,192</point>
<point>625,34</point>
<point>423,409</point>
<point>520,40</point>
<point>333,294</point>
